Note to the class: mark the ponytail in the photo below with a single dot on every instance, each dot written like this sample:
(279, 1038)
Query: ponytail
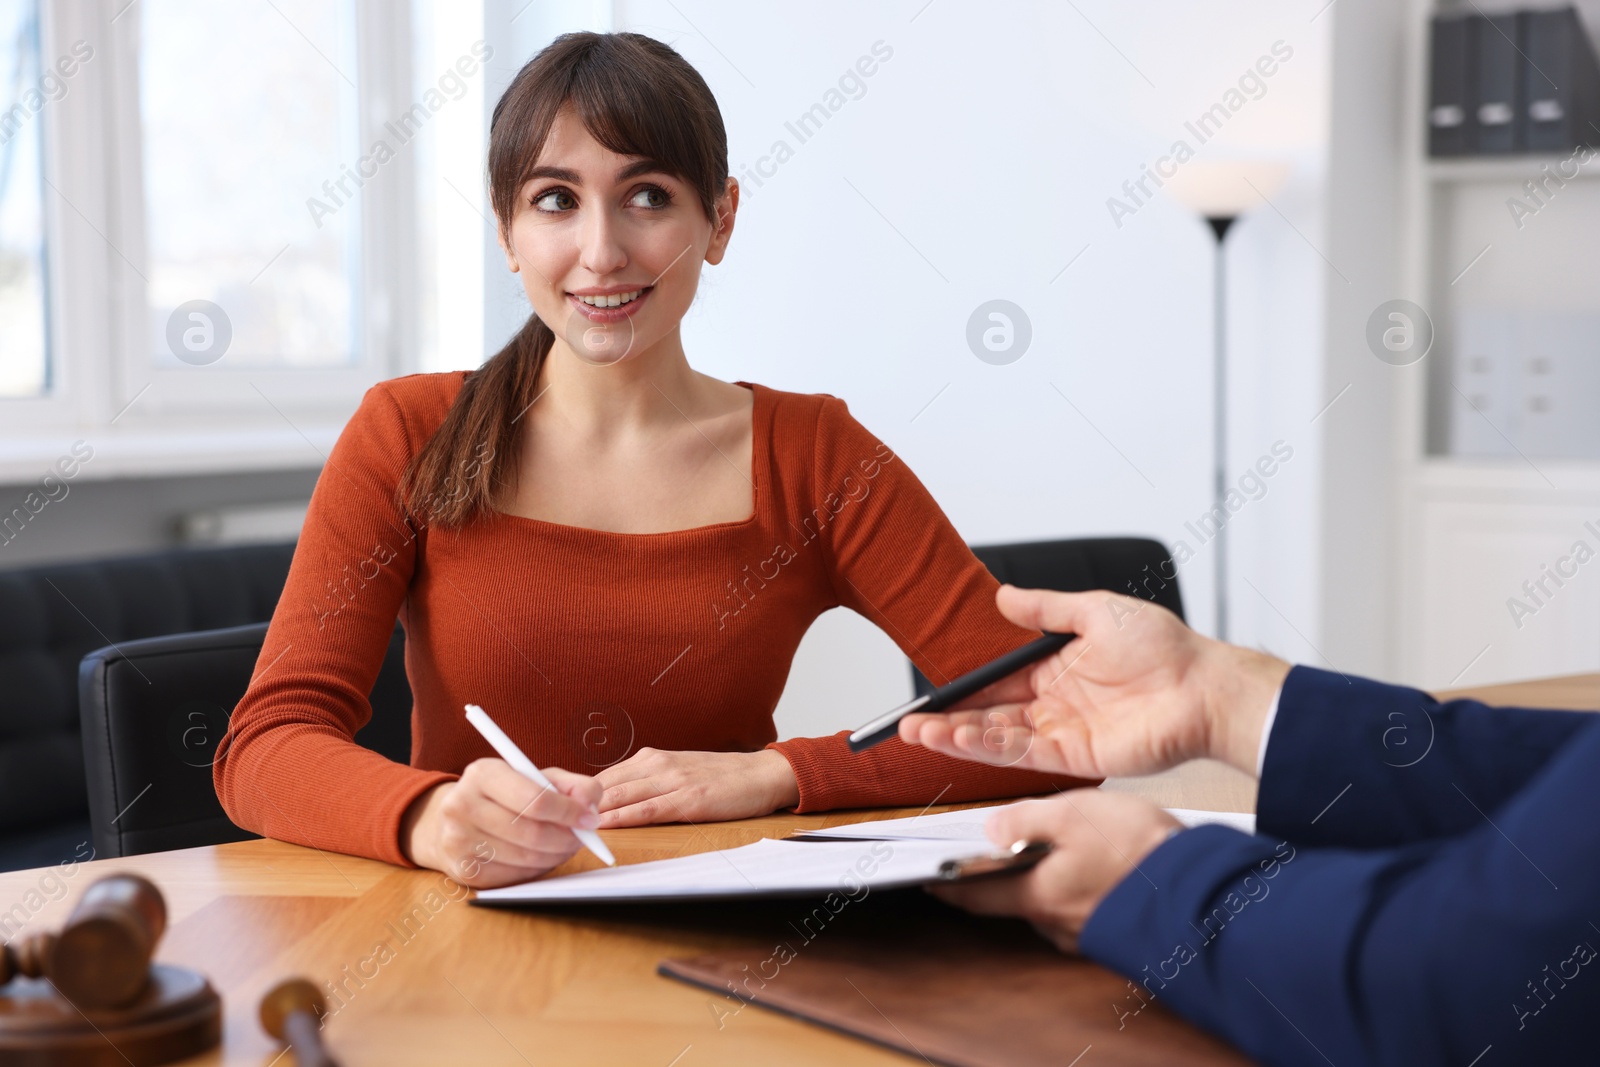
(472, 460)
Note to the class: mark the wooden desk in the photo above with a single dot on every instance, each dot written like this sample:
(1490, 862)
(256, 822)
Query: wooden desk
(482, 986)
(459, 984)
(1572, 692)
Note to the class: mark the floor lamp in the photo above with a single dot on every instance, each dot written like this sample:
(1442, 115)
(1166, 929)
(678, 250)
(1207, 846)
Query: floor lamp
(1219, 192)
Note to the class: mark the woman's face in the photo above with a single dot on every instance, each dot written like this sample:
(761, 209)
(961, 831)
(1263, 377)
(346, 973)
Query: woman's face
(609, 247)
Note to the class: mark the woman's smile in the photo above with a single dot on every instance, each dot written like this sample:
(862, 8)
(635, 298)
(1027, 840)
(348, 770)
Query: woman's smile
(609, 305)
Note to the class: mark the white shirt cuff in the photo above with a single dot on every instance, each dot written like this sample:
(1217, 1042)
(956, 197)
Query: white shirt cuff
(1266, 733)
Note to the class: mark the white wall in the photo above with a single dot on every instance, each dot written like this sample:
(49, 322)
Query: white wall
(101, 518)
(1358, 493)
(991, 141)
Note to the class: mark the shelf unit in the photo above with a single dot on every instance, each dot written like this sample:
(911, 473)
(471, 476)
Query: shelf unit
(1471, 531)
(1513, 170)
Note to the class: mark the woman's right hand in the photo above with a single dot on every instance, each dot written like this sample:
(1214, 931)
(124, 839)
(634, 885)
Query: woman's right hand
(494, 827)
(1136, 693)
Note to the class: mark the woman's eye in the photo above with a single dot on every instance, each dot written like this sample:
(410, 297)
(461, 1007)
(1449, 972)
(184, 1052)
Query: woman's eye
(554, 200)
(661, 197)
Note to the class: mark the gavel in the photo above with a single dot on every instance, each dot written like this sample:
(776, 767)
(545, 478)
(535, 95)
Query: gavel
(90, 992)
(292, 1012)
(101, 957)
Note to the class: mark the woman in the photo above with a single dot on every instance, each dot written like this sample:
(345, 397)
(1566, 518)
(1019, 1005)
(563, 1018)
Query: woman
(614, 554)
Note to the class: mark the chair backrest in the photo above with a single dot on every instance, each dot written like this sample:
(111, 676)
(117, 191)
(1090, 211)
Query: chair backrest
(154, 712)
(1137, 566)
(51, 615)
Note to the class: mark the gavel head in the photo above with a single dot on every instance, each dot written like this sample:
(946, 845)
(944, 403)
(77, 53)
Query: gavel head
(285, 999)
(101, 957)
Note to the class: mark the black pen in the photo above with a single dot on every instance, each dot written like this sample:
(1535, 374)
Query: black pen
(886, 726)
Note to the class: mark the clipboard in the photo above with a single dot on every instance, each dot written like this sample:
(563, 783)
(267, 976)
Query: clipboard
(803, 868)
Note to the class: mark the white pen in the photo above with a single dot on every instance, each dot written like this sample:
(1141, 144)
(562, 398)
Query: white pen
(524, 766)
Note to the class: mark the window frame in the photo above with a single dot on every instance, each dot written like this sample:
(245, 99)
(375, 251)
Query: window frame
(62, 231)
(105, 387)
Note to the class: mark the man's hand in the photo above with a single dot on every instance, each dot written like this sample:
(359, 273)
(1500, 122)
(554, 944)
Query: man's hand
(1100, 838)
(1135, 693)
(654, 786)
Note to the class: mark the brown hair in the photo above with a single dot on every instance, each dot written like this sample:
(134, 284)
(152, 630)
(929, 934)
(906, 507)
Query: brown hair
(634, 95)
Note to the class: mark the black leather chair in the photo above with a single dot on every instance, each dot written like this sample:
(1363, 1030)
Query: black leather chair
(154, 712)
(1137, 566)
(50, 616)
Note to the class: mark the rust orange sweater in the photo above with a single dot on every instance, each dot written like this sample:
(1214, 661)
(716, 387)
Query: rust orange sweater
(586, 645)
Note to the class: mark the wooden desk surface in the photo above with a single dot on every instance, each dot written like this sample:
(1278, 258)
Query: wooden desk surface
(455, 984)
(460, 984)
(1572, 692)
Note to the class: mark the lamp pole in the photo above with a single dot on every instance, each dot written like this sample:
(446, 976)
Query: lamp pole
(1220, 191)
(1219, 420)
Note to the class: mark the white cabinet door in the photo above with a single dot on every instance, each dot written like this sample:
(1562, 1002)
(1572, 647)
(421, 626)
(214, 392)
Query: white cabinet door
(1508, 591)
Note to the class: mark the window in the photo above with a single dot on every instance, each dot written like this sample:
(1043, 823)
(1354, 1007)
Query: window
(231, 219)
(249, 130)
(268, 267)
(24, 93)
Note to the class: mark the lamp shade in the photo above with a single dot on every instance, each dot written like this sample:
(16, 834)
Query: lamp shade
(1226, 188)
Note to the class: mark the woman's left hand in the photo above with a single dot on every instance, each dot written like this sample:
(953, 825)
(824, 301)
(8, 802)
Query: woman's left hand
(655, 786)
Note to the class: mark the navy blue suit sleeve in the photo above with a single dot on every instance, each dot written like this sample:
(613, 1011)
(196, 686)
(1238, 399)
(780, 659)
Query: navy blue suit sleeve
(1362, 764)
(1441, 951)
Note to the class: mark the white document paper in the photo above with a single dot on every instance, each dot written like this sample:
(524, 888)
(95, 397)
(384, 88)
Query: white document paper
(767, 868)
(967, 824)
(849, 860)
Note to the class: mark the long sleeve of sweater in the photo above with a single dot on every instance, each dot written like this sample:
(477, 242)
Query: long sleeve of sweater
(291, 768)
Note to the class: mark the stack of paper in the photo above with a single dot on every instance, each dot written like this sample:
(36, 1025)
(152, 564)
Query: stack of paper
(967, 825)
(847, 860)
(767, 868)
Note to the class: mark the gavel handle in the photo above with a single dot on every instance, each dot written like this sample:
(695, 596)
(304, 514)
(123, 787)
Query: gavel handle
(306, 1040)
(25, 956)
